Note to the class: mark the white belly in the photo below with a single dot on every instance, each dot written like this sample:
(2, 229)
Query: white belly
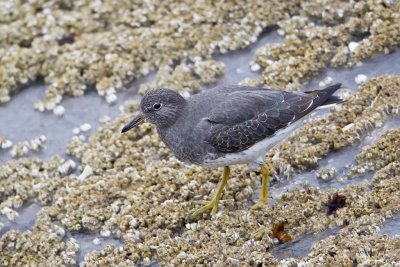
(255, 154)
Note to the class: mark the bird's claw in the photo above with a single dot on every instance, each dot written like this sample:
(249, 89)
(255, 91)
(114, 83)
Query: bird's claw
(212, 205)
(260, 204)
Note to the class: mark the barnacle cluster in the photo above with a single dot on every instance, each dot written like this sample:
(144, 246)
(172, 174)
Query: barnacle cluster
(186, 78)
(340, 34)
(364, 244)
(379, 154)
(25, 179)
(5, 143)
(44, 245)
(78, 44)
(326, 174)
(20, 149)
(120, 42)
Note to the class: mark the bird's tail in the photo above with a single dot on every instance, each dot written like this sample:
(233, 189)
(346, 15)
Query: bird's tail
(327, 94)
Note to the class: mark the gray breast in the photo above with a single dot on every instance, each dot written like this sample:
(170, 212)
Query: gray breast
(187, 140)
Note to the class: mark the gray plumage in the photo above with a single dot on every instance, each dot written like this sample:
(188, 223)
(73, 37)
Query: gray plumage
(226, 122)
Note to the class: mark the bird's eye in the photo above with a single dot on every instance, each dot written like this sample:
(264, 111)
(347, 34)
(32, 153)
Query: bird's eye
(156, 106)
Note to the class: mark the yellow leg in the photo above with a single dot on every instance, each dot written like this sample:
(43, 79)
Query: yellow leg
(213, 204)
(264, 188)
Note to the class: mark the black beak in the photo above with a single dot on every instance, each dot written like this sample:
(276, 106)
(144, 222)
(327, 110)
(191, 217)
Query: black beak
(136, 121)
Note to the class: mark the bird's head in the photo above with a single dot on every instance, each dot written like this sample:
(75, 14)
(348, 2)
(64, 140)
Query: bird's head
(161, 107)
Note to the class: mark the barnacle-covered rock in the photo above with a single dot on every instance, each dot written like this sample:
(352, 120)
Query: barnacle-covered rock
(379, 155)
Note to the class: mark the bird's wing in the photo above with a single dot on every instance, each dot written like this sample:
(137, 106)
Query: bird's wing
(247, 116)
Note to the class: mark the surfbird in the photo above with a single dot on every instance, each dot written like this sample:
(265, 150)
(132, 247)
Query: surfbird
(228, 125)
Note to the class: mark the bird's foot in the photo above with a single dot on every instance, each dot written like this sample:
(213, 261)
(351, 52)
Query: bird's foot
(212, 205)
(262, 203)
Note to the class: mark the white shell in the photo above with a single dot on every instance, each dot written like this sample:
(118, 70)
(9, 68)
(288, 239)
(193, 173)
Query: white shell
(86, 173)
(361, 78)
(59, 110)
(353, 46)
(85, 127)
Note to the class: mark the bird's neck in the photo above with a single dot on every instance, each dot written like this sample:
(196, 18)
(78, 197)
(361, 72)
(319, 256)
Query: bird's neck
(176, 130)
